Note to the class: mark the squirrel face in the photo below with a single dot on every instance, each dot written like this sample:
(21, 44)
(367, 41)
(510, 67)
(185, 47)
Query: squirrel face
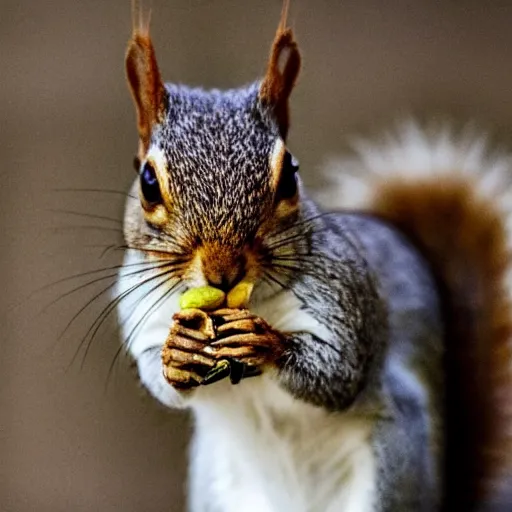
(215, 177)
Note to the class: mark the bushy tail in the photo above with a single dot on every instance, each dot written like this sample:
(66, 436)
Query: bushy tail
(453, 199)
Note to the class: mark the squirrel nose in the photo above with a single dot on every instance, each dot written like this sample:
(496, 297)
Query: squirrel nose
(224, 284)
(224, 274)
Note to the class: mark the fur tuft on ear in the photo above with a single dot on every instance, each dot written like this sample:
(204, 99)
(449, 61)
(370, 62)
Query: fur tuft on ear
(143, 77)
(282, 71)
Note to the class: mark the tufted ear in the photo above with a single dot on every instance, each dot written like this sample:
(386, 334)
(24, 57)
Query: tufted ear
(282, 71)
(144, 77)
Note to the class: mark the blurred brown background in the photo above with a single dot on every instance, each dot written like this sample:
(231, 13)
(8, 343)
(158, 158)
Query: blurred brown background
(80, 437)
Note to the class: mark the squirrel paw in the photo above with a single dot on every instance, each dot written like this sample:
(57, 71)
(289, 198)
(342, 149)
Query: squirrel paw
(244, 337)
(185, 358)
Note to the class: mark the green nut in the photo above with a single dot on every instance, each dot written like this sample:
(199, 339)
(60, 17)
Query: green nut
(239, 296)
(204, 297)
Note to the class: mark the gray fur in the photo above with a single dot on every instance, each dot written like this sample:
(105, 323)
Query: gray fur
(375, 291)
(217, 145)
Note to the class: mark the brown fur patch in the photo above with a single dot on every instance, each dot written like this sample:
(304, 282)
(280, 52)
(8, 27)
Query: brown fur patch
(222, 265)
(464, 237)
(280, 77)
(143, 77)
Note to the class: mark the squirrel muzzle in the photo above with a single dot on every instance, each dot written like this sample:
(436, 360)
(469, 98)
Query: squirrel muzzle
(222, 266)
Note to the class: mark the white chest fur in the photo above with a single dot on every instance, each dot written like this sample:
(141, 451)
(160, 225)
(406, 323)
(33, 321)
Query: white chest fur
(256, 448)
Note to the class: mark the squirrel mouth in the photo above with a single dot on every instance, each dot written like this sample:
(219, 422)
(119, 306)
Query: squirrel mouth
(222, 267)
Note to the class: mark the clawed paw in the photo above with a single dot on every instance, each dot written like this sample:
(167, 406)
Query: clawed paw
(244, 336)
(184, 356)
(204, 348)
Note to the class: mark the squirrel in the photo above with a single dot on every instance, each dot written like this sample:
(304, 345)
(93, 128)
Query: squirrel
(380, 328)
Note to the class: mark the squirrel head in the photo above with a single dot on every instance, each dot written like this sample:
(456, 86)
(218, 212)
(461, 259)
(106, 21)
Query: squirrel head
(216, 180)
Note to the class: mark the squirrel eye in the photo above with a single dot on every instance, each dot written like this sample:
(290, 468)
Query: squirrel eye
(149, 184)
(287, 188)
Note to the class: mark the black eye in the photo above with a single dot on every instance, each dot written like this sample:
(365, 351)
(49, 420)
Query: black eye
(287, 188)
(149, 184)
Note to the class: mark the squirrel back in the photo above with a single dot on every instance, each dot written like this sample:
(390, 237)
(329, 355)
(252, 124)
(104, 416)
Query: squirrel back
(452, 199)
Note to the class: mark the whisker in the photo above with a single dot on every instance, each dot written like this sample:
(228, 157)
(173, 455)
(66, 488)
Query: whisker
(170, 244)
(119, 351)
(112, 306)
(89, 302)
(102, 246)
(309, 258)
(78, 288)
(285, 235)
(112, 247)
(154, 307)
(77, 314)
(274, 280)
(297, 236)
(288, 274)
(300, 234)
(106, 311)
(149, 264)
(97, 280)
(287, 238)
(287, 241)
(125, 346)
(292, 256)
(284, 286)
(100, 190)
(302, 222)
(63, 280)
(127, 342)
(83, 214)
(267, 280)
(301, 262)
(87, 227)
(287, 267)
(179, 242)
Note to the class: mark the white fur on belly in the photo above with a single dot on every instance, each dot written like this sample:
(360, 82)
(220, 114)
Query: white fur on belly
(256, 448)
